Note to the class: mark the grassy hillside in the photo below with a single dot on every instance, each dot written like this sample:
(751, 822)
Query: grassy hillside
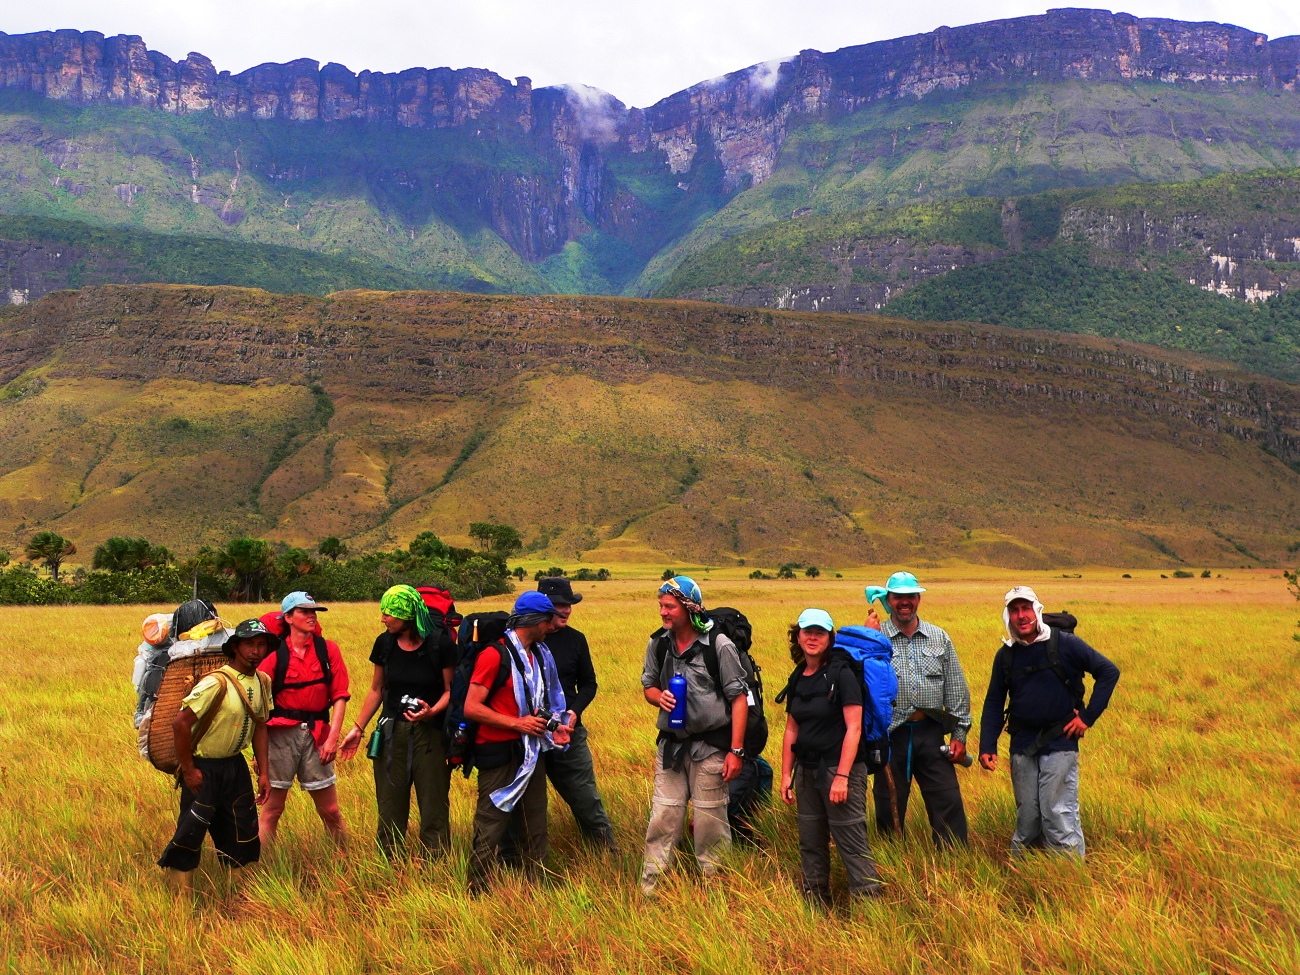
(1168, 264)
(1060, 289)
(1014, 140)
(1191, 864)
(77, 254)
(621, 431)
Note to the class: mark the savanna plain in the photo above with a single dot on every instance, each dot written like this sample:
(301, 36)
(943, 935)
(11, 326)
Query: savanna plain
(1189, 790)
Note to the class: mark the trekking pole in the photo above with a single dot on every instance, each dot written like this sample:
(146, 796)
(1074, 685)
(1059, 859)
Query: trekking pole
(893, 802)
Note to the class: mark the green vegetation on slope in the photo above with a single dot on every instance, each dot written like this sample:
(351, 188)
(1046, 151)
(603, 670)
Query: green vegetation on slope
(1001, 140)
(121, 254)
(1060, 290)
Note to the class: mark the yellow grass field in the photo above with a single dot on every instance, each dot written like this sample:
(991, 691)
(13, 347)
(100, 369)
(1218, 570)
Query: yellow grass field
(1190, 786)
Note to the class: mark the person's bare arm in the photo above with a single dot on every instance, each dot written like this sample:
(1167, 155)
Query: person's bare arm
(787, 759)
(260, 739)
(182, 727)
(848, 752)
(369, 705)
(739, 719)
(331, 747)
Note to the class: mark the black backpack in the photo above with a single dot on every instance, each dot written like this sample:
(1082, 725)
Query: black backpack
(732, 624)
(279, 684)
(477, 630)
(844, 667)
(1056, 622)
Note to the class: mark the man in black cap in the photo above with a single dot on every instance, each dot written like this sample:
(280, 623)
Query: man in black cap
(571, 771)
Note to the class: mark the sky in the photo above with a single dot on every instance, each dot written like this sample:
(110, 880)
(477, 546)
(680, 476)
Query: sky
(638, 51)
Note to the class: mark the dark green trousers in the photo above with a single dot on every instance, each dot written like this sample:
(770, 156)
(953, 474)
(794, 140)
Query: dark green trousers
(414, 755)
(491, 825)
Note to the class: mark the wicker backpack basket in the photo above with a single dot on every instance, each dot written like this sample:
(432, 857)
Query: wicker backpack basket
(178, 680)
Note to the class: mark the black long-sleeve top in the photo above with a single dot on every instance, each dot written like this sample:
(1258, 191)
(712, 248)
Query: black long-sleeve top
(573, 664)
(1040, 700)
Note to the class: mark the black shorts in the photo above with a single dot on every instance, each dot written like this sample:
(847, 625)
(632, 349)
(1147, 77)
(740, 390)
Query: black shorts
(224, 808)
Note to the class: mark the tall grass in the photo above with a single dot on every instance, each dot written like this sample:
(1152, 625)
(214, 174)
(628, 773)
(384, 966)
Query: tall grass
(1188, 789)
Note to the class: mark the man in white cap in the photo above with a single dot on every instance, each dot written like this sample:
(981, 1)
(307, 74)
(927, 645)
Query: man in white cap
(933, 701)
(1041, 668)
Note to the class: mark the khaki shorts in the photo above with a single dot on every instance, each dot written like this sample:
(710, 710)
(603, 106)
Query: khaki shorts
(291, 752)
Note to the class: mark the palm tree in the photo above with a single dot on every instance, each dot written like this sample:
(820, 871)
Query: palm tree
(248, 562)
(50, 549)
(332, 548)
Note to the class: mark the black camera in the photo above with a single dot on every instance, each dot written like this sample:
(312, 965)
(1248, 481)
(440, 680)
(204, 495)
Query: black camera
(552, 720)
(410, 703)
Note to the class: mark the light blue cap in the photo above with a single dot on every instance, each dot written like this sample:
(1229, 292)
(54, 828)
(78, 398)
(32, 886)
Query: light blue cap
(299, 600)
(816, 617)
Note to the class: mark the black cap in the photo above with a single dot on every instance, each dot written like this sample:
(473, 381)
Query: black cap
(246, 631)
(559, 589)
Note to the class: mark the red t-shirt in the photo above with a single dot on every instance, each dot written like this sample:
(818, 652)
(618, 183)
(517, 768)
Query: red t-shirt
(502, 702)
(316, 697)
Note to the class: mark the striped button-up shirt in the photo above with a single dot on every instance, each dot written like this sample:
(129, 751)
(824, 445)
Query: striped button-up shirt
(930, 677)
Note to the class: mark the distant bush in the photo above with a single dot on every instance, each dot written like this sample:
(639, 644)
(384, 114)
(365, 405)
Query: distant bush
(554, 570)
(667, 574)
(758, 574)
(786, 571)
(1205, 574)
(812, 572)
(1183, 574)
(21, 586)
(588, 575)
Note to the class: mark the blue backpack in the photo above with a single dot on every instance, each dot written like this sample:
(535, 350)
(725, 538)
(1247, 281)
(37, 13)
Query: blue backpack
(867, 654)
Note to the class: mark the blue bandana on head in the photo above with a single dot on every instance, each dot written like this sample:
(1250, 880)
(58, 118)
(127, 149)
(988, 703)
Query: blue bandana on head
(686, 592)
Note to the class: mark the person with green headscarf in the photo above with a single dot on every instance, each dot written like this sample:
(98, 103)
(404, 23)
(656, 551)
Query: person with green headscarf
(414, 661)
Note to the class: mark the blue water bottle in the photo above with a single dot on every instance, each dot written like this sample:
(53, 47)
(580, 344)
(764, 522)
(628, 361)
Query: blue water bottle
(677, 716)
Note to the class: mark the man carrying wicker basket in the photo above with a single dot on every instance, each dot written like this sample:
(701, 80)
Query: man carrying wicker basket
(222, 713)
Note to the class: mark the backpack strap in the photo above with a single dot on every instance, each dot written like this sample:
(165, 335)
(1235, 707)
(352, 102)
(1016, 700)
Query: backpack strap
(278, 682)
(504, 671)
(713, 666)
(1073, 682)
(243, 698)
(205, 722)
(786, 691)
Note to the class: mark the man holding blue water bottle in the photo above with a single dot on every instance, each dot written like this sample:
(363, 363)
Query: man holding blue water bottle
(701, 725)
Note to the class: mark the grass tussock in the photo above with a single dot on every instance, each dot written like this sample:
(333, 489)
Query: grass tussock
(1187, 797)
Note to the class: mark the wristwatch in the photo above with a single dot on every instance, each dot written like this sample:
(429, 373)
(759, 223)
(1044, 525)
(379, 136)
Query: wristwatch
(738, 752)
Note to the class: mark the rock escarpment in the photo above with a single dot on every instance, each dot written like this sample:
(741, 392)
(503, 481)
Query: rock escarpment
(431, 344)
(740, 120)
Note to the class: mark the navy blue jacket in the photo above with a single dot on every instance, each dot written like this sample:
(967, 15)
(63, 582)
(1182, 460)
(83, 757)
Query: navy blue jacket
(1040, 700)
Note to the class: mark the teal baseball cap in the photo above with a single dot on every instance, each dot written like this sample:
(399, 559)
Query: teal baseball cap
(816, 617)
(904, 583)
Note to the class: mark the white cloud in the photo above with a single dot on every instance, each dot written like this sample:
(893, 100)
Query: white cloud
(639, 50)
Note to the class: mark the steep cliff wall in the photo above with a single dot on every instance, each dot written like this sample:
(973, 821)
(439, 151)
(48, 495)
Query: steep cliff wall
(741, 118)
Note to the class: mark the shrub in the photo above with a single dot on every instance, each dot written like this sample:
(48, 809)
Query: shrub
(812, 572)
(1183, 574)
(668, 574)
(757, 574)
(786, 571)
(554, 570)
(1205, 574)
(20, 586)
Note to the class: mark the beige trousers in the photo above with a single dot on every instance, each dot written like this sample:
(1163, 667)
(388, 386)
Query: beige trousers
(700, 783)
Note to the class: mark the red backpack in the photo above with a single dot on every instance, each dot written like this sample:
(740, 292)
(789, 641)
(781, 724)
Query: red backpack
(442, 607)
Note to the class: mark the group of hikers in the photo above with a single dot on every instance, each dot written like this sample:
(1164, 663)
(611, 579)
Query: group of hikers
(505, 695)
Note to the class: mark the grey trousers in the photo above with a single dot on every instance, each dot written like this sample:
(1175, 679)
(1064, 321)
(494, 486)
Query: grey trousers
(1047, 803)
(820, 820)
(700, 783)
(491, 825)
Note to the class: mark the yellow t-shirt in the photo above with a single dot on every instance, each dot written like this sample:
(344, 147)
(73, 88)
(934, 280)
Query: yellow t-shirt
(231, 728)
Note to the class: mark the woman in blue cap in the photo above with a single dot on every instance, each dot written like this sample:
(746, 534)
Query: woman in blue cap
(823, 769)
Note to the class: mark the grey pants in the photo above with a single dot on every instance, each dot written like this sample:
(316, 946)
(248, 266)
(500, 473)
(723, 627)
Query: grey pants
(820, 820)
(1047, 803)
(491, 824)
(414, 756)
(700, 783)
(914, 749)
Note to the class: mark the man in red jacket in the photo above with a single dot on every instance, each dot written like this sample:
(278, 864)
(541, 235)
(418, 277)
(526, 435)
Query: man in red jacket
(309, 686)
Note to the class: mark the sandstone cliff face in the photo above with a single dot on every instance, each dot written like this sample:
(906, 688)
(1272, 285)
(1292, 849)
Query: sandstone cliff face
(742, 118)
(431, 344)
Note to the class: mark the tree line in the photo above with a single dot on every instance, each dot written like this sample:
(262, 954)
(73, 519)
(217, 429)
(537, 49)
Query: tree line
(126, 570)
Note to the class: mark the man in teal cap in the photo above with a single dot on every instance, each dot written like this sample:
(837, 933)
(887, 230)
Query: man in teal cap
(933, 700)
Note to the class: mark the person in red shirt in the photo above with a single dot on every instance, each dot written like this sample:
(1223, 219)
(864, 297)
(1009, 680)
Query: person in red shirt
(309, 684)
(514, 693)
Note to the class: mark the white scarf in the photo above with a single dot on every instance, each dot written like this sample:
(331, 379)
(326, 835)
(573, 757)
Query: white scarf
(1024, 592)
(538, 672)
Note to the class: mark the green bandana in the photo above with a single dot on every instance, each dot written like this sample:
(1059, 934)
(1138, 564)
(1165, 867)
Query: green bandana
(404, 603)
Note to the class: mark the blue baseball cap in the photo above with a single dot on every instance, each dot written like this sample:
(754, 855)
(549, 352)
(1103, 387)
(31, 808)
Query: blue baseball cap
(816, 617)
(533, 602)
(300, 600)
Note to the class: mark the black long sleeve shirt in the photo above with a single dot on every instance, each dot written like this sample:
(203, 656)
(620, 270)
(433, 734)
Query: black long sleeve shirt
(573, 664)
(1040, 700)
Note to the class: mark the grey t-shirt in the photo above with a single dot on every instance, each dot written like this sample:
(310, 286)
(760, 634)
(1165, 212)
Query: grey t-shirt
(705, 711)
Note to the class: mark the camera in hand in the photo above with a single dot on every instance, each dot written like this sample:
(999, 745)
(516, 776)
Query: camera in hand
(553, 721)
(410, 703)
